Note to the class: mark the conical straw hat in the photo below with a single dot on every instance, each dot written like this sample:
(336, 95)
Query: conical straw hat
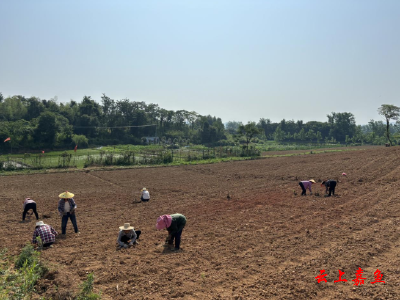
(66, 195)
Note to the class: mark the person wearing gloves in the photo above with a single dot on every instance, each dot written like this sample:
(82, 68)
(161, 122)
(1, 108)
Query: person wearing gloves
(306, 185)
(128, 236)
(145, 196)
(29, 204)
(174, 225)
(46, 233)
(329, 185)
(66, 208)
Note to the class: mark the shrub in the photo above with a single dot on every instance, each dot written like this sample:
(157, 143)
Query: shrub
(86, 292)
(27, 255)
(19, 283)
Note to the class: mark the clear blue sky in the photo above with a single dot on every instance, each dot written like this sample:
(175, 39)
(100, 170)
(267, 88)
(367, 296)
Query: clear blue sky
(238, 60)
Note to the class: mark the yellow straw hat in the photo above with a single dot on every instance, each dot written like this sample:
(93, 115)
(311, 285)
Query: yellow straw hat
(143, 189)
(312, 180)
(66, 195)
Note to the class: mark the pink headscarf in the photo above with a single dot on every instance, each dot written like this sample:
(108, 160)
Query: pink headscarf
(163, 221)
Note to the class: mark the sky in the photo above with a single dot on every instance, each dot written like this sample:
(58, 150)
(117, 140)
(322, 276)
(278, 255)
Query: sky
(237, 60)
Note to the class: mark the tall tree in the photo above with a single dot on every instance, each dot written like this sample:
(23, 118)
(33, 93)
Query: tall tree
(342, 124)
(390, 112)
(45, 132)
(248, 131)
(279, 134)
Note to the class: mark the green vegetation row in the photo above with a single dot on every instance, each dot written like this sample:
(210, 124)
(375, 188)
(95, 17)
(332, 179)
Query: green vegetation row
(120, 157)
(19, 276)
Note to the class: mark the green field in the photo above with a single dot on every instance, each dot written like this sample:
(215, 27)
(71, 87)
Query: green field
(133, 155)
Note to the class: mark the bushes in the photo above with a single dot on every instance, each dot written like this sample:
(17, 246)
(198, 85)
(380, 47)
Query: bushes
(19, 283)
(86, 292)
(64, 160)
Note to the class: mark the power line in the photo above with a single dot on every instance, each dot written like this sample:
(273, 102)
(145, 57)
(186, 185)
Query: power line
(128, 126)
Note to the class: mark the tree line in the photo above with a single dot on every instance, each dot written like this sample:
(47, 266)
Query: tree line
(34, 123)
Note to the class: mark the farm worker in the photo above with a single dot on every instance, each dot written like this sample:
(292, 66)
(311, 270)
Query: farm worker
(174, 225)
(128, 235)
(29, 204)
(46, 233)
(329, 184)
(145, 196)
(66, 208)
(306, 185)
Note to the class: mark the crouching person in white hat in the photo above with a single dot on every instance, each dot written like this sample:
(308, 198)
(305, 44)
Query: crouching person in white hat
(46, 233)
(145, 196)
(127, 236)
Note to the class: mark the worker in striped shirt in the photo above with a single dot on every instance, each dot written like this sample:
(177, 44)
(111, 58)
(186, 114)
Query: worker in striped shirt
(46, 233)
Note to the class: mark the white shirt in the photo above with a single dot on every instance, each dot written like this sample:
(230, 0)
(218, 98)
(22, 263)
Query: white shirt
(146, 195)
(67, 207)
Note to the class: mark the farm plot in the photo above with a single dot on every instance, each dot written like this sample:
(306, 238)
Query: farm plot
(264, 242)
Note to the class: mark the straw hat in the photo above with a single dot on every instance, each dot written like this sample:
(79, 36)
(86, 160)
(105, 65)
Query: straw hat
(66, 195)
(40, 223)
(126, 226)
(143, 189)
(312, 180)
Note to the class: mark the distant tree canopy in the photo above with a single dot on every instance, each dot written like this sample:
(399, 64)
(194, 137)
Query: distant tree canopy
(34, 123)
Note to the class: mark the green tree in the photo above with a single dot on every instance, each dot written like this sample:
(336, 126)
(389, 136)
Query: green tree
(13, 108)
(279, 134)
(342, 124)
(46, 131)
(80, 140)
(310, 135)
(34, 108)
(319, 136)
(302, 134)
(248, 131)
(232, 126)
(390, 112)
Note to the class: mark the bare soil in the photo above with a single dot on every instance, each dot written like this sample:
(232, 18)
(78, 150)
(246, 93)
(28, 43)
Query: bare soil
(265, 242)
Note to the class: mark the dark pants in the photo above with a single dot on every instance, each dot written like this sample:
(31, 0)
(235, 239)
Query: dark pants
(28, 207)
(126, 240)
(47, 244)
(144, 200)
(302, 188)
(332, 186)
(64, 222)
(177, 237)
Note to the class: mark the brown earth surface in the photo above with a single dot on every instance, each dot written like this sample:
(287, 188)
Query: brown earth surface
(265, 242)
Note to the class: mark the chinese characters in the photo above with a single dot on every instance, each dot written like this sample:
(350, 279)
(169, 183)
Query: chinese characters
(359, 280)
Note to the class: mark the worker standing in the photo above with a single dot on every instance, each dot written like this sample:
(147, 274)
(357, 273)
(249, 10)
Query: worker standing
(66, 208)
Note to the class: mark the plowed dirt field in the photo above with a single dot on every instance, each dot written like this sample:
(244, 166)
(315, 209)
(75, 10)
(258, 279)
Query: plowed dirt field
(265, 242)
